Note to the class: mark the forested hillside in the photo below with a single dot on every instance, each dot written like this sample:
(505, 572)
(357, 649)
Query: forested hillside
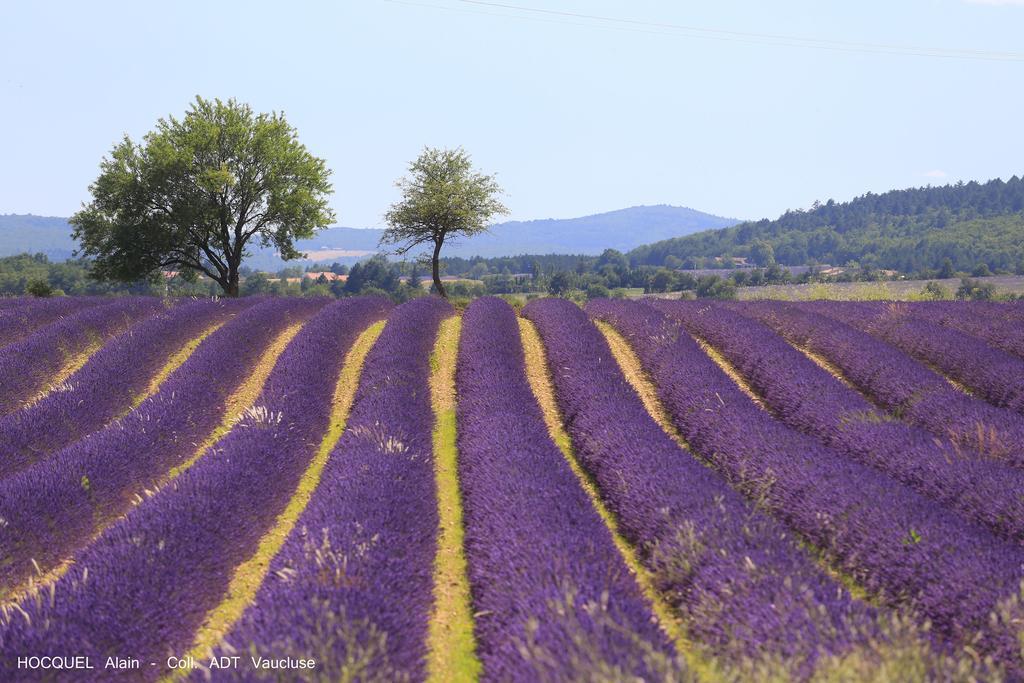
(907, 230)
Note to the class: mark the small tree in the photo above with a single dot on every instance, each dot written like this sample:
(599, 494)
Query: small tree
(441, 197)
(662, 280)
(597, 291)
(714, 287)
(197, 192)
(561, 283)
(762, 253)
(257, 283)
(414, 277)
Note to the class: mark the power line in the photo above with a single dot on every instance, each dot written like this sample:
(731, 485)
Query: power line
(690, 31)
(810, 42)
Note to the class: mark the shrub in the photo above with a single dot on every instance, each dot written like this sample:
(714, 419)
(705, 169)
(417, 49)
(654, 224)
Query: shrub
(972, 290)
(39, 288)
(714, 287)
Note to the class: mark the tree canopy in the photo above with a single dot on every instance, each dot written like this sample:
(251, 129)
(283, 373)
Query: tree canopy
(196, 192)
(442, 196)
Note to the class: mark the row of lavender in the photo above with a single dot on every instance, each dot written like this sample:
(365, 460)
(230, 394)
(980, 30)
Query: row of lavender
(352, 585)
(27, 365)
(749, 597)
(894, 380)
(146, 584)
(1000, 325)
(906, 550)
(808, 398)
(994, 374)
(746, 591)
(20, 317)
(104, 388)
(54, 507)
(554, 599)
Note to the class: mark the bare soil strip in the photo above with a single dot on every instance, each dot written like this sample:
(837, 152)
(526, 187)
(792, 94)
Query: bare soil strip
(630, 366)
(731, 371)
(825, 365)
(72, 364)
(242, 399)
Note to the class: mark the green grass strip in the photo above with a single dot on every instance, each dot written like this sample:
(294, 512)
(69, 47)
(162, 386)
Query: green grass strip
(452, 647)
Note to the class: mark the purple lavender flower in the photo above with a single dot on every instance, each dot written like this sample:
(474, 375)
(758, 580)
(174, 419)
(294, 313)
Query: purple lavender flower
(745, 590)
(145, 586)
(53, 508)
(899, 383)
(353, 582)
(532, 534)
(806, 397)
(995, 375)
(26, 366)
(897, 545)
(20, 317)
(105, 386)
(1000, 325)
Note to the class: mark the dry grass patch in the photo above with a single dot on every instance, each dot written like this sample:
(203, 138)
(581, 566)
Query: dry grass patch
(825, 365)
(243, 397)
(634, 373)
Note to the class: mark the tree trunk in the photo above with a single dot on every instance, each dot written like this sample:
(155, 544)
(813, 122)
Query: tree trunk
(435, 264)
(232, 288)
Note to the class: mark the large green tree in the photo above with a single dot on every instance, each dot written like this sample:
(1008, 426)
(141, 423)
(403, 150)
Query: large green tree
(442, 197)
(196, 193)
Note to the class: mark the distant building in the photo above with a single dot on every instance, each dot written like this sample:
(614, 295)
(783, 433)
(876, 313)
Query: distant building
(328, 275)
(831, 271)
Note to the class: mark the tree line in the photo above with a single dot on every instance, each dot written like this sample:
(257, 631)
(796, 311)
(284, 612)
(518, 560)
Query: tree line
(196, 193)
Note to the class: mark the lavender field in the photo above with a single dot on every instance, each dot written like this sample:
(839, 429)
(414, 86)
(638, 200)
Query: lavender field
(290, 489)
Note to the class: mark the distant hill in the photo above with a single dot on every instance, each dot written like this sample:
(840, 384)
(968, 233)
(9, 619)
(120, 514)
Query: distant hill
(623, 230)
(21, 233)
(906, 230)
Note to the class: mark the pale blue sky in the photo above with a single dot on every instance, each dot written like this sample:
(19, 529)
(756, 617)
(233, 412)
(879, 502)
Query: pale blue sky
(575, 115)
